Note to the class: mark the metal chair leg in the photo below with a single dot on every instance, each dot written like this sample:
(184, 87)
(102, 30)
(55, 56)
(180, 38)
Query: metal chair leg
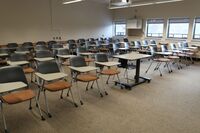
(99, 89)
(73, 98)
(30, 107)
(92, 85)
(39, 109)
(61, 95)
(108, 79)
(3, 117)
(149, 67)
(46, 104)
(101, 78)
(79, 93)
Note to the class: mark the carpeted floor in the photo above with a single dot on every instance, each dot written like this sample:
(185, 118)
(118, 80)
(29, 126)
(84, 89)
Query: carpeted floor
(169, 104)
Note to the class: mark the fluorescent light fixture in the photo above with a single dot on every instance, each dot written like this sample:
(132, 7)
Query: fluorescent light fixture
(169, 1)
(142, 4)
(72, 1)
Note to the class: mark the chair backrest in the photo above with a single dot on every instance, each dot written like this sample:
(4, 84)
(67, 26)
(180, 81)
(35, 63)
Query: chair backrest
(81, 40)
(18, 57)
(152, 42)
(153, 49)
(48, 67)
(40, 47)
(173, 46)
(78, 61)
(137, 44)
(51, 43)
(71, 41)
(100, 57)
(22, 49)
(185, 44)
(57, 46)
(12, 45)
(180, 45)
(126, 40)
(81, 49)
(164, 48)
(12, 74)
(63, 52)
(91, 39)
(4, 51)
(41, 43)
(27, 44)
(72, 46)
(145, 42)
(43, 54)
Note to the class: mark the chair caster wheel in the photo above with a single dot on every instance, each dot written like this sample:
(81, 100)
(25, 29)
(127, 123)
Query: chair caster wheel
(160, 75)
(86, 89)
(101, 94)
(81, 102)
(49, 115)
(36, 105)
(61, 97)
(42, 118)
(30, 108)
(6, 131)
(122, 88)
(149, 81)
(75, 105)
(115, 83)
(106, 93)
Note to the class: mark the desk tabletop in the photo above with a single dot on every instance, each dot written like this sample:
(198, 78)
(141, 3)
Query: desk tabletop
(87, 53)
(83, 69)
(109, 64)
(51, 76)
(3, 54)
(164, 53)
(123, 48)
(22, 52)
(66, 56)
(12, 86)
(132, 56)
(44, 59)
(17, 63)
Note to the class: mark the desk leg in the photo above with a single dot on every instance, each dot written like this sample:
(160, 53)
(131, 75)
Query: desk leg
(138, 78)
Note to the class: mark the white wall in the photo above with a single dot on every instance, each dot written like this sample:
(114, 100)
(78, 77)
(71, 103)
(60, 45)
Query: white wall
(30, 20)
(187, 8)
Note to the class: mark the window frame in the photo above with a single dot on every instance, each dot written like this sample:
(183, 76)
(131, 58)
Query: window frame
(194, 28)
(120, 22)
(147, 27)
(168, 28)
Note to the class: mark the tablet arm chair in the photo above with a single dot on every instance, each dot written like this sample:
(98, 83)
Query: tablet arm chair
(56, 85)
(19, 96)
(83, 77)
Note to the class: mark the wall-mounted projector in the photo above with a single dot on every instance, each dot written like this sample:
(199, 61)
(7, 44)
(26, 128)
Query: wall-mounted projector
(120, 2)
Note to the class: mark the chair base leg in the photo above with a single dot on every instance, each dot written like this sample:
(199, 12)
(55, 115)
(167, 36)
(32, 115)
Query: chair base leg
(81, 102)
(6, 131)
(49, 115)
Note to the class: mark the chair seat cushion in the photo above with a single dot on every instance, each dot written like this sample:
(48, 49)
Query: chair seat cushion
(89, 60)
(110, 72)
(163, 60)
(28, 70)
(173, 57)
(86, 77)
(18, 97)
(66, 63)
(57, 86)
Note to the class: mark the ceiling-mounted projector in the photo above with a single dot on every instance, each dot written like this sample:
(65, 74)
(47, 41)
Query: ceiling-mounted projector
(120, 2)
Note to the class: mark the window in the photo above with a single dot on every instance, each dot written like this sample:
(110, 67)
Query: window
(120, 28)
(196, 34)
(178, 28)
(155, 27)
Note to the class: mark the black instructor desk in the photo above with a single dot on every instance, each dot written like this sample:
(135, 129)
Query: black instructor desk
(138, 79)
